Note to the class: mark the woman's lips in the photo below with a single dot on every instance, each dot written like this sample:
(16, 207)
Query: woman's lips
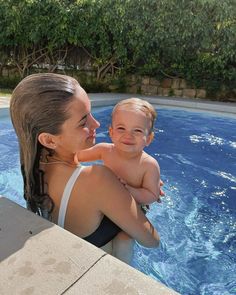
(92, 136)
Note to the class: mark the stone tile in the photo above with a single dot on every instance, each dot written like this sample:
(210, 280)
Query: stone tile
(182, 84)
(111, 276)
(145, 80)
(201, 93)
(175, 83)
(132, 89)
(154, 82)
(38, 257)
(152, 90)
(178, 92)
(166, 83)
(144, 89)
(189, 93)
(166, 91)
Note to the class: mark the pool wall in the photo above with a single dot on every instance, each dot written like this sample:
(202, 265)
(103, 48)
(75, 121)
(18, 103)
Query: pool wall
(38, 257)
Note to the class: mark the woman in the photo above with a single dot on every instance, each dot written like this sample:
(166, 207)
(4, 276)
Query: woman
(52, 118)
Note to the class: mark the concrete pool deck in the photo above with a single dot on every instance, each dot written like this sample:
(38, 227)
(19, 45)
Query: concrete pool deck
(38, 257)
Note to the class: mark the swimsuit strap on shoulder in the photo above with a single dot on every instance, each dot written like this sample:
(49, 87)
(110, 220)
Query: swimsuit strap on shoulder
(66, 195)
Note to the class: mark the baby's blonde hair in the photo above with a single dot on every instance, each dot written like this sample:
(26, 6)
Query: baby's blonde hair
(137, 104)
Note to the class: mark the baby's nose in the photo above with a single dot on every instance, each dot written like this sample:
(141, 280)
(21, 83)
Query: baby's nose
(129, 133)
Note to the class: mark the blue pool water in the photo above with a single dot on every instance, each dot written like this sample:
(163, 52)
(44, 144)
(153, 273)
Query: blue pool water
(197, 217)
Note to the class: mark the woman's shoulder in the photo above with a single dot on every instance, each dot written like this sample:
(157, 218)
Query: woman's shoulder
(97, 172)
(94, 181)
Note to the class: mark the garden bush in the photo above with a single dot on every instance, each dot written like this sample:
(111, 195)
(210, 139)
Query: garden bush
(191, 39)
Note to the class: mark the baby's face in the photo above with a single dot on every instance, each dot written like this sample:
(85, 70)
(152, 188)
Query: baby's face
(130, 130)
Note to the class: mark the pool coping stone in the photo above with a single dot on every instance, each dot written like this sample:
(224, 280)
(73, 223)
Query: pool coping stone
(38, 257)
(109, 99)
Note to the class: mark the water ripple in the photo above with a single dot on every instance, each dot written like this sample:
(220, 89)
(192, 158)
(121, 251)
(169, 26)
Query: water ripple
(211, 139)
(228, 176)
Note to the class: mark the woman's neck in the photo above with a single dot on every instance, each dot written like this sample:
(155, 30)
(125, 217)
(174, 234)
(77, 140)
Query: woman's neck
(50, 159)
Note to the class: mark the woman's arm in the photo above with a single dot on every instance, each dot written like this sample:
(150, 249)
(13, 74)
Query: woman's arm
(114, 201)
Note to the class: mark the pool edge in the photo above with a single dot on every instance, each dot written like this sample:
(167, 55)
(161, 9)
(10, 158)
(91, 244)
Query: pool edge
(107, 99)
(32, 247)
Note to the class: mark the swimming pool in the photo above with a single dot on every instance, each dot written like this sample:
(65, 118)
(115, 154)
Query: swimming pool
(197, 217)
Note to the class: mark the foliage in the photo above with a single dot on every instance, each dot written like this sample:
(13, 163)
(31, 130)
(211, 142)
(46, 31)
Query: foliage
(8, 82)
(192, 39)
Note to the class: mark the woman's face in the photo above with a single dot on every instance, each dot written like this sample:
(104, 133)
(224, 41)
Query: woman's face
(79, 131)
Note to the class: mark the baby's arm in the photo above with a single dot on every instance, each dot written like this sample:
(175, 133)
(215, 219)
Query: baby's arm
(150, 190)
(92, 154)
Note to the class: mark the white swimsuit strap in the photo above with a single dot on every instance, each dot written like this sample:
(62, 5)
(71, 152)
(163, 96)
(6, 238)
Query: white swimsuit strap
(66, 195)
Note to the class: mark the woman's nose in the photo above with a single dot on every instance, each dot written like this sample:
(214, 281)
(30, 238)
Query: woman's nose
(94, 124)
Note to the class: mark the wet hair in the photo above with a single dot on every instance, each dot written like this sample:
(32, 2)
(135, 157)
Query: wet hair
(39, 104)
(137, 104)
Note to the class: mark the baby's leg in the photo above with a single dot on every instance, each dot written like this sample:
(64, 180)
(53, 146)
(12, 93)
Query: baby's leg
(122, 247)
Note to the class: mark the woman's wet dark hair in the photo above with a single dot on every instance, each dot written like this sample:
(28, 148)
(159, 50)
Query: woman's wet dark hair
(39, 104)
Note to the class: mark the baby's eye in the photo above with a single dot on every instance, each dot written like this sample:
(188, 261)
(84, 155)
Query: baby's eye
(138, 130)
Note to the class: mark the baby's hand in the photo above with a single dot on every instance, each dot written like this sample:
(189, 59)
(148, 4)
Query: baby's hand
(159, 199)
(161, 193)
(76, 160)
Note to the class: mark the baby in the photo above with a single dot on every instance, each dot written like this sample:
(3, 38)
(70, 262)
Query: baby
(131, 131)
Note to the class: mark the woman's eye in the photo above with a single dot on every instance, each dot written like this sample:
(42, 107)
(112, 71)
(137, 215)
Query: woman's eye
(120, 128)
(82, 124)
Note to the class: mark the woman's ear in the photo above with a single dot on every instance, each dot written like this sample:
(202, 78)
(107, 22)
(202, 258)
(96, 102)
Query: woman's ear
(47, 140)
(150, 138)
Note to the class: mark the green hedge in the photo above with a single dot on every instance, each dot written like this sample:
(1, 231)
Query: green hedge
(192, 39)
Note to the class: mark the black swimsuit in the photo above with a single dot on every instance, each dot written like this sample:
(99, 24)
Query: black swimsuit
(106, 231)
